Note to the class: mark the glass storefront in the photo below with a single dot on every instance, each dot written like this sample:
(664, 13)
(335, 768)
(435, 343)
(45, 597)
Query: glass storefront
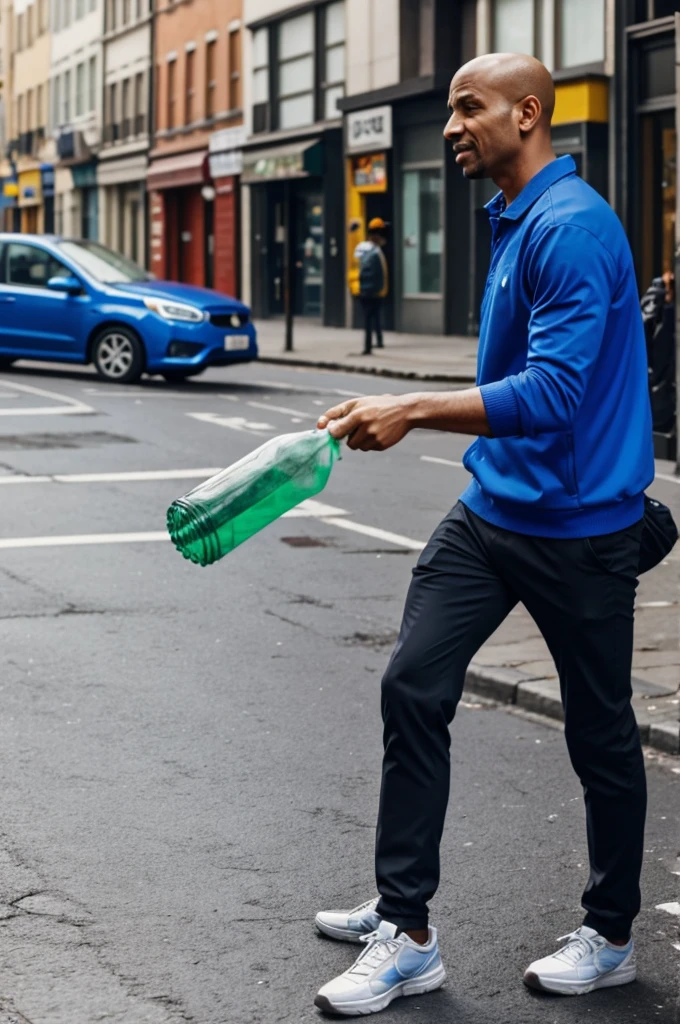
(658, 173)
(309, 262)
(422, 229)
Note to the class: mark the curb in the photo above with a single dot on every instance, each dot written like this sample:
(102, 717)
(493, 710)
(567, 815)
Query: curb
(541, 696)
(371, 371)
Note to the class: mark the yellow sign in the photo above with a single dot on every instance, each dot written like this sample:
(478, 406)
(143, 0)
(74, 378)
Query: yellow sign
(10, 190)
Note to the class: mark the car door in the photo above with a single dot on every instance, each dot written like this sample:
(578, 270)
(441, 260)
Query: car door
(34, 320)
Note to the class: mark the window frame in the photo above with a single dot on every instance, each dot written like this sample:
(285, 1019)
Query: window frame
(171, 99)
(189, 86)
(80, 89)
(210, 108)
(271, 120)
(234, 49)
(418, 168)
(566, 69)
(537, 49)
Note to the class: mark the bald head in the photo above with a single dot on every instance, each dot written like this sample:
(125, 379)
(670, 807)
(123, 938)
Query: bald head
(501, 108)
(514, 76)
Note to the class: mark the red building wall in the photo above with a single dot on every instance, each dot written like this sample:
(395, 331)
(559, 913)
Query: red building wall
(226, 236)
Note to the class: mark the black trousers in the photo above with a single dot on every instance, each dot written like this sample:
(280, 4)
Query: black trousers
(581, 595)
(372, 307)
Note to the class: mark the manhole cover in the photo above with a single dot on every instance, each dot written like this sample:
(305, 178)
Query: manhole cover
(94, 439)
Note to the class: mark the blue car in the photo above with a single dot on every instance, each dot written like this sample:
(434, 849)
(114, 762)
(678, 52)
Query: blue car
(76, 301)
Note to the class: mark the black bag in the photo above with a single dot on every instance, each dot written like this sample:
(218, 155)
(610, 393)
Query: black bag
(659, 534)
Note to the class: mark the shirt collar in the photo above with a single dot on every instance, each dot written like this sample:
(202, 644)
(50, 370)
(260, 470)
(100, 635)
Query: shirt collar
(533, 190)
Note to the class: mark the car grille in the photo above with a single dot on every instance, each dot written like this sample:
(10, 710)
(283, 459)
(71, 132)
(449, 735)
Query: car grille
(224, 319)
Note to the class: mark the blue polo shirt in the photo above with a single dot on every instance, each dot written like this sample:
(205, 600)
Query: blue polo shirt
(562, 367)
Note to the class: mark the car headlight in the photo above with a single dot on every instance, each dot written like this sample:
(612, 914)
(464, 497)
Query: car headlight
(175, 311)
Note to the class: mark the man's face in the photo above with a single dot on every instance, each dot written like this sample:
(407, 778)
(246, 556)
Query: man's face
(483, 127)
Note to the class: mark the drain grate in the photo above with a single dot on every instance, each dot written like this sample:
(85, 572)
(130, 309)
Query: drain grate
(94, 439)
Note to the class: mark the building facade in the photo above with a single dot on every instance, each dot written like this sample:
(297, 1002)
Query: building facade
(29, 151)
(76, 100)
(197, 75)
(123, 155)
(293, 208)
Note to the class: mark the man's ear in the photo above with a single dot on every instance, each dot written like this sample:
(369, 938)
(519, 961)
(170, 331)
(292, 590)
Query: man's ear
(530, 111)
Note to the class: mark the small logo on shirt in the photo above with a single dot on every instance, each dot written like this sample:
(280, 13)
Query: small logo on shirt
(505, 280)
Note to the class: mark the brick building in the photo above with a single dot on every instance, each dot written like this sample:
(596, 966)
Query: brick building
(194, 216)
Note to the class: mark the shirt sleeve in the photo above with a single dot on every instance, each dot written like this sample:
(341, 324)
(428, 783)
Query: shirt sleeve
(571, 277)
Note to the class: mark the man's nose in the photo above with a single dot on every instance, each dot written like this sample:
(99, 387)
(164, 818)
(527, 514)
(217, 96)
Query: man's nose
(453, 129)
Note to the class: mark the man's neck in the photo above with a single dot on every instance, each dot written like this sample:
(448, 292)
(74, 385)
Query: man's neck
(512, 180)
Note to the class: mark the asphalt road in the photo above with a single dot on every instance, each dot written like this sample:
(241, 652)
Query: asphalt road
(191, 756)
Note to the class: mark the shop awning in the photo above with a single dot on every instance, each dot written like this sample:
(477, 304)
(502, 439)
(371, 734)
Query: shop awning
(295, 160)
(177, 171)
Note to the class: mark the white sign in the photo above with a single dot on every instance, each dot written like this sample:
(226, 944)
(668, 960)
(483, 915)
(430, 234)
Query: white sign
(225, 165)
(369, 130)
(227, 139)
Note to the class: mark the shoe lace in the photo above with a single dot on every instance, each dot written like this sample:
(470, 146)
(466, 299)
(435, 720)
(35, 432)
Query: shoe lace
(577, 946)
(378, 949)
(368, 904)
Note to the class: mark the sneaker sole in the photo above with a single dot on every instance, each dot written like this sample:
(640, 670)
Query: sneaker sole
(339, 934)
(417, 987)
(621, 976)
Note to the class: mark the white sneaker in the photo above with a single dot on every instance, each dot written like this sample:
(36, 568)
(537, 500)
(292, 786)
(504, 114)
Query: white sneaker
(349, 925)
(391, 966)
(586, 962)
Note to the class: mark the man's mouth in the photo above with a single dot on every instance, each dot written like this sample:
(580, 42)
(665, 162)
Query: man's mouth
(462, 151)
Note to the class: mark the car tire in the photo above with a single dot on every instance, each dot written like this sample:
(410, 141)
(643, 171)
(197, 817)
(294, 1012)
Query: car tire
(118, 355)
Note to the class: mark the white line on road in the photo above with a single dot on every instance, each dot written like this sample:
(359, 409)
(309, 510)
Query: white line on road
(308, 390)
(441, 462)
(69, 406)
(667, 478)
(373, 531)
(106, 478)
(283, 409)
(670, 908)
(232, 422)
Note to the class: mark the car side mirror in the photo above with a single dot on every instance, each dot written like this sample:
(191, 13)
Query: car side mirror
(70, 285)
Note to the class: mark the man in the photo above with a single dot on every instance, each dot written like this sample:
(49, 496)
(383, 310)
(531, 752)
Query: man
(552, 518)
(373, 282)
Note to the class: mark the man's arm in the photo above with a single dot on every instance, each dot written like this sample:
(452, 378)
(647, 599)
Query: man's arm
(377, 423)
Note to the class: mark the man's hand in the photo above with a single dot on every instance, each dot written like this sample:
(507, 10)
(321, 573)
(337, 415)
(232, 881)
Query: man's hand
(370, 424)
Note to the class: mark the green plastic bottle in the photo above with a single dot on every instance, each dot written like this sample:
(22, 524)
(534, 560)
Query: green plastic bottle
(218, 515)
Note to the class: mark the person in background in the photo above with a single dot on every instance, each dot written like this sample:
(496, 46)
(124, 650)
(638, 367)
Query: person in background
(373, 281)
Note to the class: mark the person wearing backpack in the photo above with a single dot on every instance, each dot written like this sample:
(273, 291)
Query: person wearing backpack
(373, 282)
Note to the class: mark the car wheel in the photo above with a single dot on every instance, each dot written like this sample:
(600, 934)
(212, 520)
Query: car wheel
(118, 355)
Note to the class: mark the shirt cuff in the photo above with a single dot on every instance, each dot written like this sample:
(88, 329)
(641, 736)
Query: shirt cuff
(502, 409)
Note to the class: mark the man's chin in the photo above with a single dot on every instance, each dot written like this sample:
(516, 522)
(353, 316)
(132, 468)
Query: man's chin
(478, 171)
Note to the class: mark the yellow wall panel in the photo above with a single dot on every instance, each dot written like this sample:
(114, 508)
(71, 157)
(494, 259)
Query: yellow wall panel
(581, 101)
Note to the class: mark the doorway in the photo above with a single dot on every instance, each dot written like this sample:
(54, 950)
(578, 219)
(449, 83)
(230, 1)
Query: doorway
(658, 178)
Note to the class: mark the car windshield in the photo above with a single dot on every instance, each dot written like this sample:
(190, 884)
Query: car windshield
(103, 264)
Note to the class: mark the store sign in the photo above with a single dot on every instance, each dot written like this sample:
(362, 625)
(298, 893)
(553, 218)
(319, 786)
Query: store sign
(226, 152)
(369, 129)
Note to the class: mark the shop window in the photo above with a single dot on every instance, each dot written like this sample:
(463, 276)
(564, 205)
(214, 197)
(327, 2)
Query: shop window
(295, 54)
(514, 26)
(334, 58)
(580, 32)
(422, 221)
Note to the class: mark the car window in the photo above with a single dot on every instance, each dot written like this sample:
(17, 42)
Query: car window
(31, 266)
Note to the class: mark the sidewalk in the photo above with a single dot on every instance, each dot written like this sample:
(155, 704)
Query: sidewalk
(409, 356)
(515, 666)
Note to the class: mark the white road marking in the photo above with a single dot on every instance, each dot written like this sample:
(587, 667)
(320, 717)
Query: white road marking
(308, 390)
(309, 509)
(68, 407)
(283, 409)
(670, 908)
(656, 604)
(232, 422)
(441, 462)
(106, 478)
(669, 479)
(373, 531)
